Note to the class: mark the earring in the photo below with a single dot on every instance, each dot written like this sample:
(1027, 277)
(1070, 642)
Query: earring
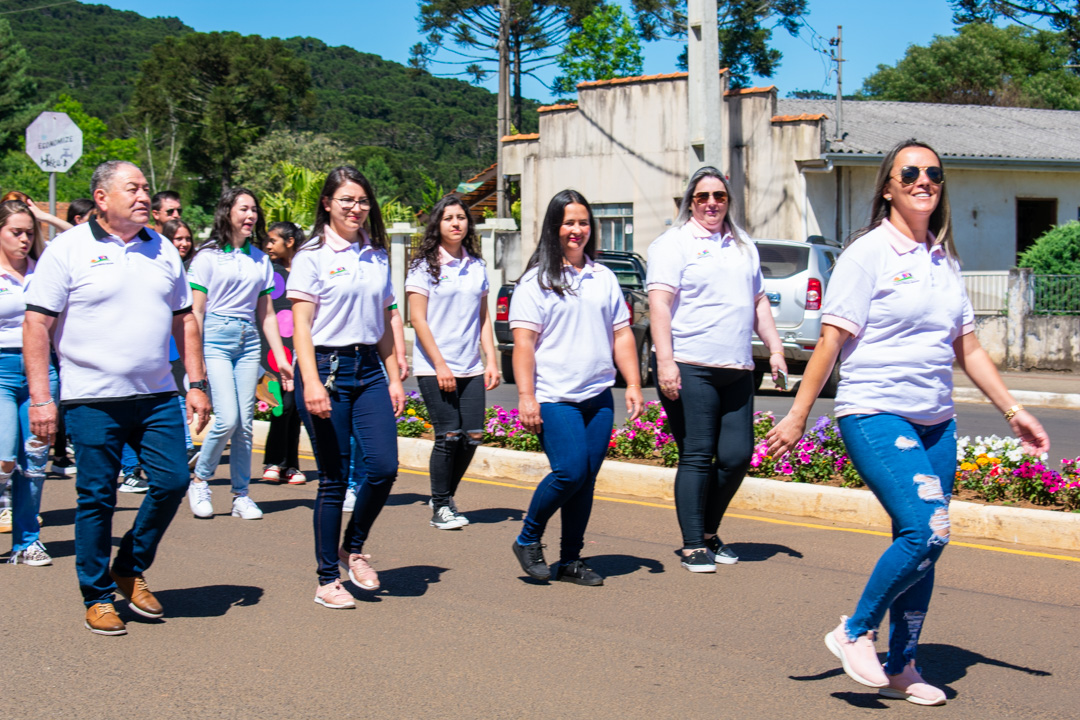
(889, 198)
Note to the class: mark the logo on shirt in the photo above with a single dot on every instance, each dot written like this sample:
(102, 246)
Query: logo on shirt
(5, 291)
(338, 271)
(100, 260)
(903, 279)
(704, 254)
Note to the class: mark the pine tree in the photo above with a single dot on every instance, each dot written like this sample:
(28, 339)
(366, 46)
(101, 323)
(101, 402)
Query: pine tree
(17, 89)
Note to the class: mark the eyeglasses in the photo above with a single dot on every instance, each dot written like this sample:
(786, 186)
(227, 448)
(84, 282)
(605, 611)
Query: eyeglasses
(347, 203)
(909, 174)
(703, 197)
(173, 211)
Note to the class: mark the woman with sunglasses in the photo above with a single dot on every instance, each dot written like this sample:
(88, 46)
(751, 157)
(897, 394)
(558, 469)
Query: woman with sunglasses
(898, 316)
(570, 321)
(342, 292)
(706, 299)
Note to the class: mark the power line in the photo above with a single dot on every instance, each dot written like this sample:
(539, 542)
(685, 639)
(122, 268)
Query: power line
(40, 7)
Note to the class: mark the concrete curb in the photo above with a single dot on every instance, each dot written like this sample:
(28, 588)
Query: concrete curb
(1067, 401)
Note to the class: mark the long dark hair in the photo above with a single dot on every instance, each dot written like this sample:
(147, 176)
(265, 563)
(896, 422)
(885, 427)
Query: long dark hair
(548, 256)
(429, 245)
(169, 230)
(16, 207)
(940, 219)
(221, 231)
(374, 226)
(290, 231)
(79, 208)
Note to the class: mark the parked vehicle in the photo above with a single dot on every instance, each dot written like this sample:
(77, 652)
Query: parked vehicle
(629, 268)
(796, 280)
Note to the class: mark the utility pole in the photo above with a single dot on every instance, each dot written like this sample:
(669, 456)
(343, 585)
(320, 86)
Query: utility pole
(838, 57)
(706, 103)
(502, 208)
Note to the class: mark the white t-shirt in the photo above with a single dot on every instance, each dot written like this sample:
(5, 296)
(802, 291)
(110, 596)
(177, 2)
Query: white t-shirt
(114, 303)
(576, 332)
(233, 279)
(13, 307)
(716, 281)
(350, 285)
(453, 312)
(904, 306)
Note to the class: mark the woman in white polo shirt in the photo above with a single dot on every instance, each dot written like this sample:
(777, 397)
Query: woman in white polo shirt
(342, 293)
(231, 280)
(706, 301)
(447, 289)
(569, 320)
(20, 246)
(897, 314)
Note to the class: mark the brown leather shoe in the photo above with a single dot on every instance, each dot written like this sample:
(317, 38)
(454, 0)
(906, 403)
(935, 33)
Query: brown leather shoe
(102, 619)
(139, 597)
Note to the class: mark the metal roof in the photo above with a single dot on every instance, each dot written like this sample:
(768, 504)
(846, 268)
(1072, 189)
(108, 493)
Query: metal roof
(974, 131)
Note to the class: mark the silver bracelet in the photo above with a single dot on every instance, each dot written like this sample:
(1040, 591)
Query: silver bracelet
(47, 402)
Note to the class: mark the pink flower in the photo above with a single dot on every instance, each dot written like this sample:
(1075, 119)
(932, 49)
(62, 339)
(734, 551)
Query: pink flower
(262, 406)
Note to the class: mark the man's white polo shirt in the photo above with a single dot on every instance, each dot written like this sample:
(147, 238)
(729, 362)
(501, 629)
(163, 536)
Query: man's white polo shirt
(114, 303)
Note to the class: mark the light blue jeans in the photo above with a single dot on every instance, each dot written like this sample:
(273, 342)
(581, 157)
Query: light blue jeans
(910, 469)
(231, 348)
(29, 475)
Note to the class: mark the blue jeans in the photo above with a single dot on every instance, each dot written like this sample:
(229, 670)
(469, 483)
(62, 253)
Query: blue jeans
(129, 461)
(99, 430)
(231, 348)
(360, 409)
(28, 477)
(910, 468)
(575, 439)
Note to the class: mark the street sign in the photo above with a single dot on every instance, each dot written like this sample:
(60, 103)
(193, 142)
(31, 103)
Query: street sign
(54, 142)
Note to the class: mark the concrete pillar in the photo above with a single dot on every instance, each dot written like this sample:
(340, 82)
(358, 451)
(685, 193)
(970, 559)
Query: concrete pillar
(400, 237)
(704, 92)
(488, 232)
(1018, 309)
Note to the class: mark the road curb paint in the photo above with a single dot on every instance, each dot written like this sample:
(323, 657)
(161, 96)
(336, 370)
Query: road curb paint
(1067, 401)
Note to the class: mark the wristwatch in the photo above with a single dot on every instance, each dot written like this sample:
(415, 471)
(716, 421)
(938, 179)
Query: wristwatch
(199, 385)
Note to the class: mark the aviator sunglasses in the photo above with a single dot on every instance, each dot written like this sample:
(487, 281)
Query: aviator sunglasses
(703, 197)
(910, 173)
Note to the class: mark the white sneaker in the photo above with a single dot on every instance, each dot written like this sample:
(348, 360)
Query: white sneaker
(350, 500)
(198, 496)
(245, 508)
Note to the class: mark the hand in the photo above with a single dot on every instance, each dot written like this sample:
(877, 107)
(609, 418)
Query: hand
(778, 364)
(397, 397)
(198, 406)
(529, 413)
(403, 368)
(785, 434)
(491, 377)
(1032, 436)
(447, 381)
(286, 373)
(635, 403)
(317, 399)
(668, 378)
(43, 421)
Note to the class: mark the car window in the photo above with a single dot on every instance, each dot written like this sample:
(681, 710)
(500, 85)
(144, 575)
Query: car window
(625, 271)
(781, 261)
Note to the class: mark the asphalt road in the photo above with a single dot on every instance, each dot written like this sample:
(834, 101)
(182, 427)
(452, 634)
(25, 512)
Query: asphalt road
(457, 632)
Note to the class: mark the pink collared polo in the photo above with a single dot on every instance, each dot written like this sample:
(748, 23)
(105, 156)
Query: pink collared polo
(904, 305)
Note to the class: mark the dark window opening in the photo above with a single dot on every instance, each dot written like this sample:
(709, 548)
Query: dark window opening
(1033, 219)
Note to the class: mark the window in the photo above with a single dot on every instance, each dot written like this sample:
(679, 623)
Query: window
(1033, 218)
(616, 225)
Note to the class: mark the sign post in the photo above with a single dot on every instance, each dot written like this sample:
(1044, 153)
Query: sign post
(54, 143)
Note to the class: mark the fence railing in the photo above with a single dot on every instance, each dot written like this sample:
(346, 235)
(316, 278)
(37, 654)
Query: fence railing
(1055, 294)
(988, 291)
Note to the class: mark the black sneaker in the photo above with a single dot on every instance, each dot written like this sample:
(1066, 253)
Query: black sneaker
(698, 561)
(578, 573)
(134, 483)
(719, 552)
(532, 562)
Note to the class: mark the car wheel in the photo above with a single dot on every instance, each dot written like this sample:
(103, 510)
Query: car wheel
(829, 389)
(645, 360)
(508, 368)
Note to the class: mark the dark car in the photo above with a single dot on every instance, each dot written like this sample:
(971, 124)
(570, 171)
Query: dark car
(629, 268)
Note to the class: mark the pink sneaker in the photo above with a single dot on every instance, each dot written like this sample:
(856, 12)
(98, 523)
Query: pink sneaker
(334, 596)
(360, 572)
(910, 686)
(295, 477)
(859, 658)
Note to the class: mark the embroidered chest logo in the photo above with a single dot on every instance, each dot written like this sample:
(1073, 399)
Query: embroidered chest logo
(702, 254)
(904, 279)
(100, 260)
(338, 271)
(5, 291)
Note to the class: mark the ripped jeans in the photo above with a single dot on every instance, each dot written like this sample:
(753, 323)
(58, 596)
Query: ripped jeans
(458, 420)
(910, 468)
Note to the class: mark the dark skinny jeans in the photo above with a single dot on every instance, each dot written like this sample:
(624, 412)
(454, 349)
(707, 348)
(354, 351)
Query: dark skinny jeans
(456, 417)
(283, 437)
(713, 424)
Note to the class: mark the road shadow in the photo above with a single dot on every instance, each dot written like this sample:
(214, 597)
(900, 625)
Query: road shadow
(615, 565)
(206, 601)
(866, 700)
(408, 581)
(490, 516)
(759, 552)
(407, 498)
(273, 506)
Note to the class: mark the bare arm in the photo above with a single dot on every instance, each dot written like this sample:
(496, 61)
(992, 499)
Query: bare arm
(36, 329)
(397, 328)
(267, 320)
(418, 314)
(316, 399)
(525, 376)
(198, 309)
(626, 359)
(487, 345)
(387, 347)
(42, 216)
(667, 372)
(188, 338)
(765, 327)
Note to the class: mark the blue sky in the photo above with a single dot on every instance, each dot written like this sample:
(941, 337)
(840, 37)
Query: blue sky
(875, 32)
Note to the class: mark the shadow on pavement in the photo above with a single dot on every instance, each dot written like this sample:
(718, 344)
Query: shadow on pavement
(869, 700)
(66, 516)
(408, 581)
(613, 565)
(486, 516)
(406, 498)
(757, 552)
(273, 506)
(206, 601)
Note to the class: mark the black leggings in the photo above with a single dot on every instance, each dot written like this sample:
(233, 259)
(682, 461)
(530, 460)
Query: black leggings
(713, 425)
(454, 415)
(283, 437)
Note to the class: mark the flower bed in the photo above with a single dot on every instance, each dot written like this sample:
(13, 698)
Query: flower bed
(415, 421)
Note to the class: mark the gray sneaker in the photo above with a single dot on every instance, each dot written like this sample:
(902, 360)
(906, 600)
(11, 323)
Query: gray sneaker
(445, 519)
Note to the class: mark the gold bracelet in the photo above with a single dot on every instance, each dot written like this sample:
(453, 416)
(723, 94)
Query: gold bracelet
(776, 352)
(1011, 412)
(630, 386)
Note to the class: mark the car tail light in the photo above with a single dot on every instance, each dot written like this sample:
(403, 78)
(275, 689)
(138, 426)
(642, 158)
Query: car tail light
(630, 309)
(502, 309)
(813, 294)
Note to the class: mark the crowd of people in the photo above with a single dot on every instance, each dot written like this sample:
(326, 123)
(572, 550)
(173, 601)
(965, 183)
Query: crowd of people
(205, 322)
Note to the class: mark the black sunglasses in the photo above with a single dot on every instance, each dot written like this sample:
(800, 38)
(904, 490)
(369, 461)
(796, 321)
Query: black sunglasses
(910, 173)
(703, 197)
